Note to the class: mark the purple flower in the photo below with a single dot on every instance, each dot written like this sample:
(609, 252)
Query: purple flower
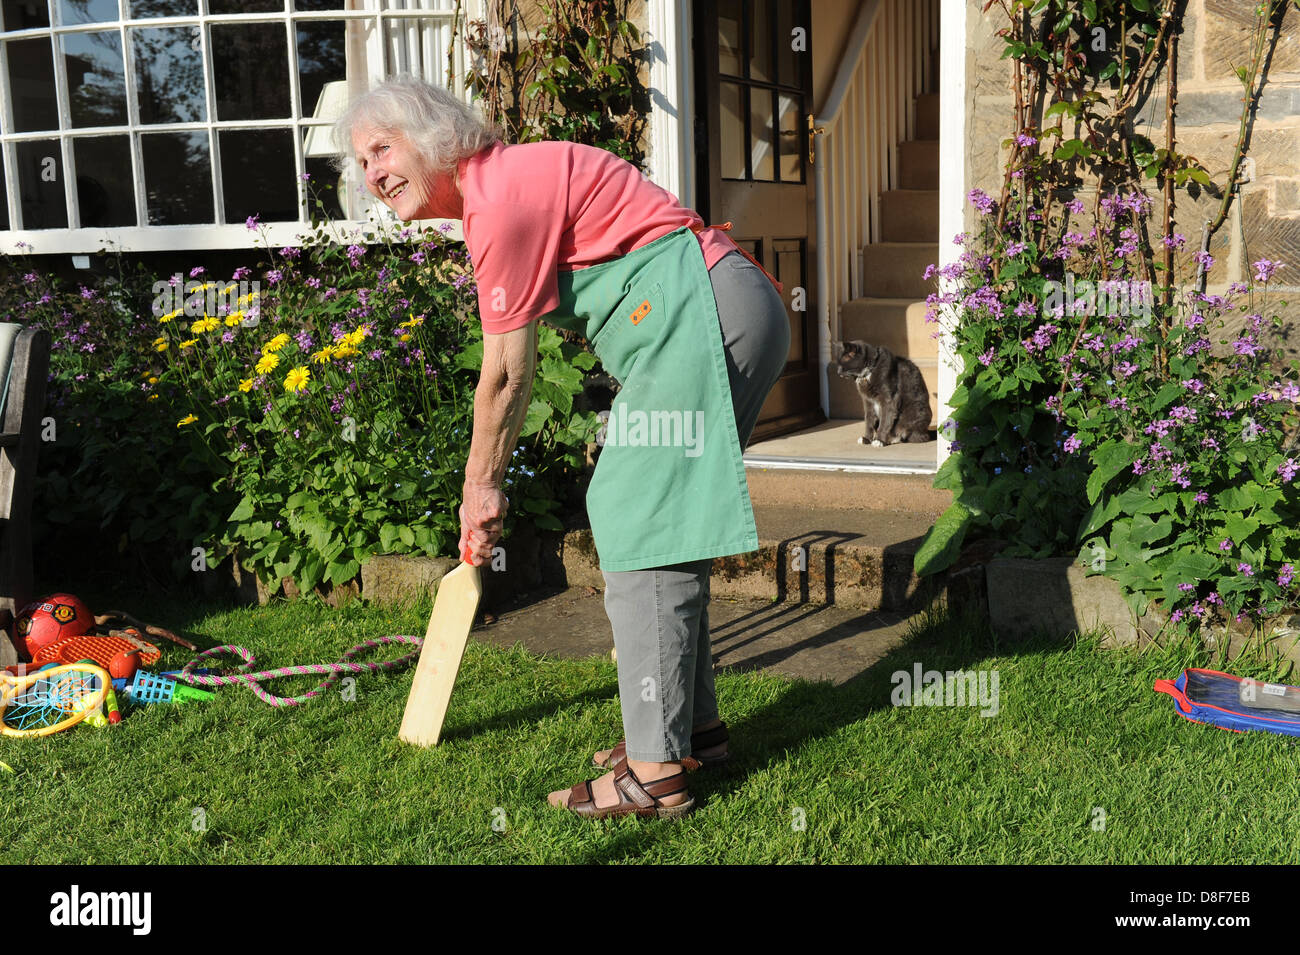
(313, 282)
(1225, 544)
(1175, 241)
(1072, 444)
(1244, 346)
(445, 227)
(1025, 309)
(1178, 473)
(1024, 139)
(1246, 569)
(251, 222)
(1264, 269)
(289, 252)
(1176, 615)
(1288, 469)
(228, 336)
(1204, 260)
(1287, 573)
(1194, 385)
(242, 272)
(1076, 206)
(1126, 368)
(984, 203)
(1201, 497)
(986, 359)
(355, 252)
(274, 276)
(1186, 588)
(1015, 248)
(417, 258)
(196, 271)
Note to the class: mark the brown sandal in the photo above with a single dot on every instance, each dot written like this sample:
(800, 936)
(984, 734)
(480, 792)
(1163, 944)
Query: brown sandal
(634, 796)
(704, 739)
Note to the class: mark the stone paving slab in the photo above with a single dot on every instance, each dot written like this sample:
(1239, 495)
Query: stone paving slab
(812, 641)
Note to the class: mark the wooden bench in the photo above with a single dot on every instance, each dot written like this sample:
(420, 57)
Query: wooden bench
(20, 443)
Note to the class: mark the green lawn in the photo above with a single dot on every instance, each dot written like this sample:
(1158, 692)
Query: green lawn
(1077, 728)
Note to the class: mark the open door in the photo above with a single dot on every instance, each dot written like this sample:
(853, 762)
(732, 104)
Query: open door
(754, 89)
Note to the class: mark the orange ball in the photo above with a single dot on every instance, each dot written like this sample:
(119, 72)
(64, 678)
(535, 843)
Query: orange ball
(124, 665)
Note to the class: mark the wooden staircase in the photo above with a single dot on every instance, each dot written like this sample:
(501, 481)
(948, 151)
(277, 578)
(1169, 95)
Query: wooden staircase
(891, 310)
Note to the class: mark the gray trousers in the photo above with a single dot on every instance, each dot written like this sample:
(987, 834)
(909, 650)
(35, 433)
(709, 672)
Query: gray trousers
(660, 616)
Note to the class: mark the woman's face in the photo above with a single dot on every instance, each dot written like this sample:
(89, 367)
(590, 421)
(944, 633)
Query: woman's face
(398, 176)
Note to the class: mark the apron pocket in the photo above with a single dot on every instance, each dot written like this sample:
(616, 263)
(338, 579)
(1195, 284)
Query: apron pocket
(637, 320)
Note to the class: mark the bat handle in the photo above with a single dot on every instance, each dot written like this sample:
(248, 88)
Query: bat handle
(465, 554)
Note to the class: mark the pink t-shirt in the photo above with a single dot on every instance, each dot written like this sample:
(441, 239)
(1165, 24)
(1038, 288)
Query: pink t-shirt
(533, 208)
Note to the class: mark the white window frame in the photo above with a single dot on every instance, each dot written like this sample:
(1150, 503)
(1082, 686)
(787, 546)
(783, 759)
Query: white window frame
(394, 47)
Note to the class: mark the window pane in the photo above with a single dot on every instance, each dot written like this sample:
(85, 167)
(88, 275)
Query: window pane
(318, 4)
(24, 14)
(792, 140)
(40, 184)
(87, 11)
(31, 78)
(257, 174)
(760, 40)
(787, 67)
(245, 6)
(760, 132)
(105, 188)
(96, 84)
(321, 60)
(729, 51)
(250, 66)
(163, 8)
(177, 178)
(324, 183)
(732, 120)
(4, 201)
(168, 76)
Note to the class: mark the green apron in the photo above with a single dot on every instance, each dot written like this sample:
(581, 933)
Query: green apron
(669, 485)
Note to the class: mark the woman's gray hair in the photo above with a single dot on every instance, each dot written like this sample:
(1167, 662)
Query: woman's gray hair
(442, 128)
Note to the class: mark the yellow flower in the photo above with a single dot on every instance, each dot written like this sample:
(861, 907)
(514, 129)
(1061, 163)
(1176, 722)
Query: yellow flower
(404, 338)
(297, 379)
(169, 316)
(234, 318)
(153, 397)
(275, 344)
(267, 362)
(188, 419)
(345, 351)
(153, 379)
(246, 384)
(323, 356)
(204, 324)
(160, 343)
(187, 343)
(413, 321)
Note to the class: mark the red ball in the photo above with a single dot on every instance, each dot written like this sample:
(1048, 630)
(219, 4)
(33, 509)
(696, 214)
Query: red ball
(47, 621)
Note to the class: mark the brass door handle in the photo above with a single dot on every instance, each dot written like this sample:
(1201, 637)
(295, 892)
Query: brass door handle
(813, 131)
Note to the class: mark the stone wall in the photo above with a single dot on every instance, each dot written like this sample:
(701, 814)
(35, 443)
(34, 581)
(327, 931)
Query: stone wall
(1264, 219)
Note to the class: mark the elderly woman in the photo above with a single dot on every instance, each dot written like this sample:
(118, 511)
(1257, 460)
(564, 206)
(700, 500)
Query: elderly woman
(696, 335)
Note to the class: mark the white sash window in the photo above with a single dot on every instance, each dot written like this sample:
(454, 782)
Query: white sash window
(165, 124)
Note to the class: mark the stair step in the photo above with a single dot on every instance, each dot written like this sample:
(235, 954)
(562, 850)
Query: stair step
(894, 323)
(909, 215)
(847, 403)
(897, 269)
(918, 164)
(927, 116)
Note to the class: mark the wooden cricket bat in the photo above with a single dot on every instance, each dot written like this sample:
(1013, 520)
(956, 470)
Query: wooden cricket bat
(444, 646)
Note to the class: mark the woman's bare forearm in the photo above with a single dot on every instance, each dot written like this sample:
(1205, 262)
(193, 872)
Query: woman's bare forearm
(501, 404)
